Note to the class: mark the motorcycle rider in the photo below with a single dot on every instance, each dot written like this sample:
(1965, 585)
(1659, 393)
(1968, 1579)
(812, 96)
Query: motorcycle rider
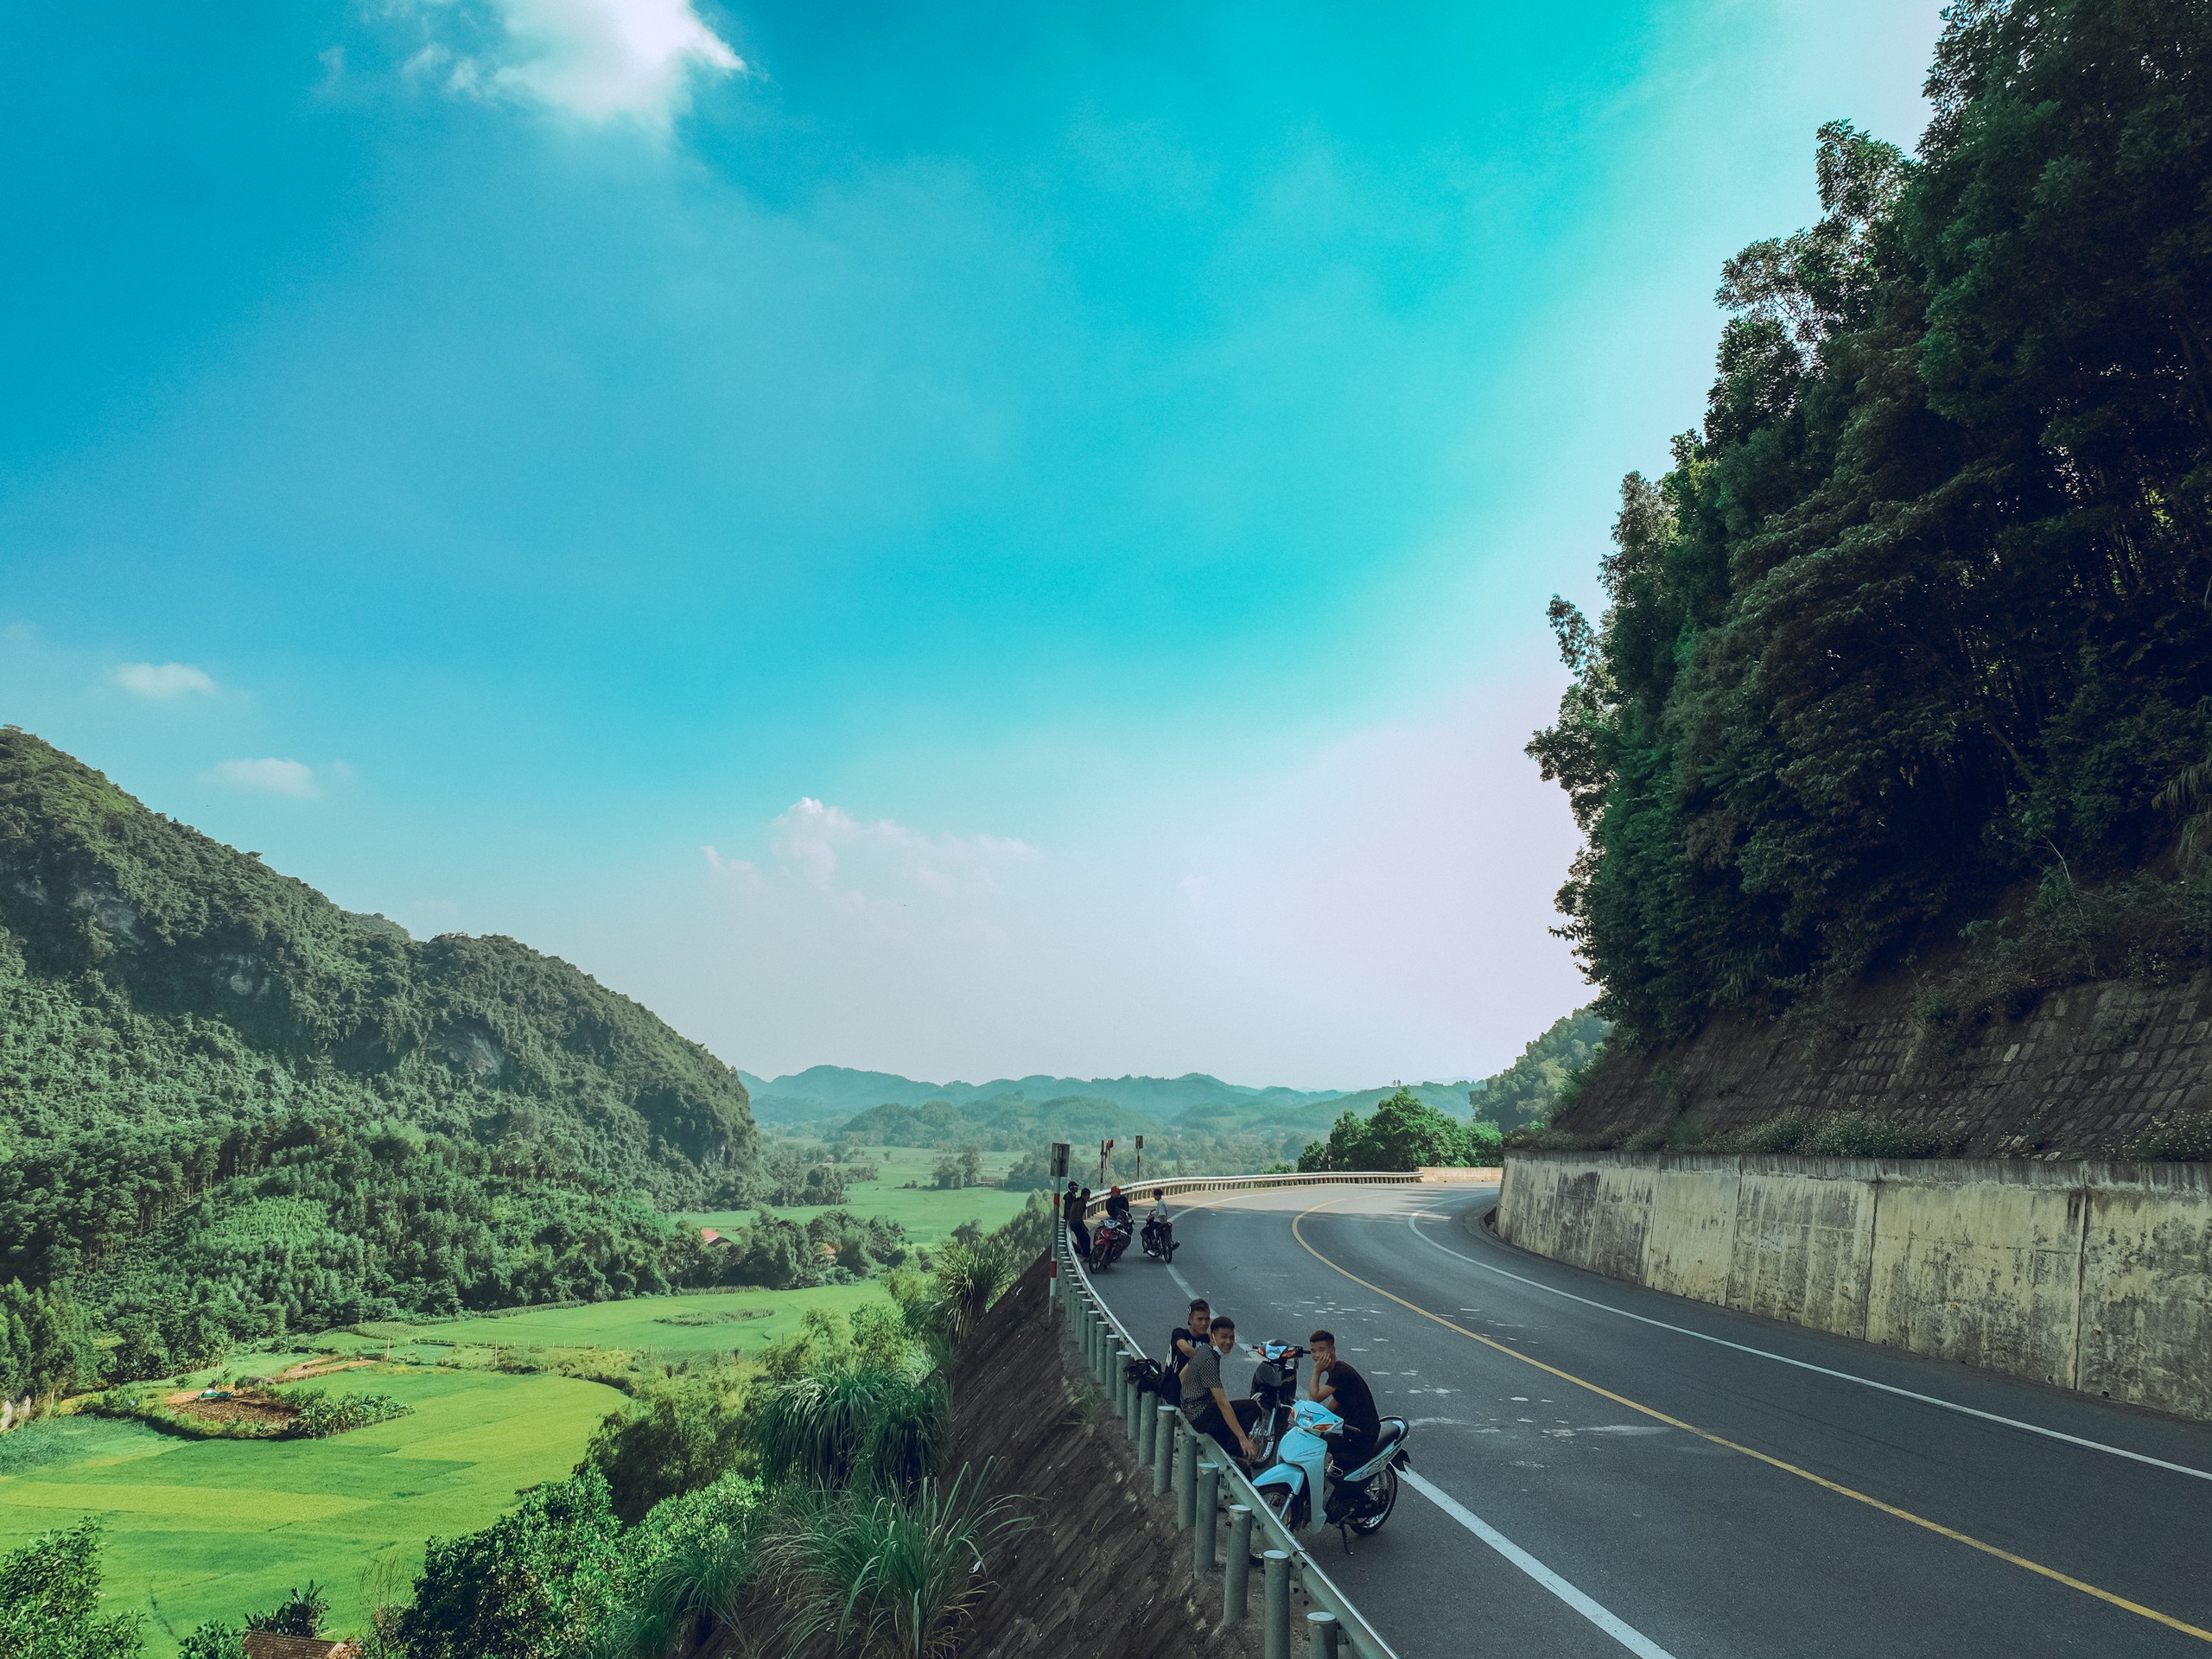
(1338, 1385)
(1157, 1229)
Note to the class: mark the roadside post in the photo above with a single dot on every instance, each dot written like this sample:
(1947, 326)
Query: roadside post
(1202, 1532)
(1163, 1449)
(1322, 1634)
(1275, 1622)
(1147, 1436)
(1186, 1475)
(1237, 1571)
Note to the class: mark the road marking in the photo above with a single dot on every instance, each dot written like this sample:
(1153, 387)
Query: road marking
(1807, 1366)
(1822, 1481)
(1626, 1634)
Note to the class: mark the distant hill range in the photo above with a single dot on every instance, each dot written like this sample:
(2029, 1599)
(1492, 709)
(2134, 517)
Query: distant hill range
(1008, 1112)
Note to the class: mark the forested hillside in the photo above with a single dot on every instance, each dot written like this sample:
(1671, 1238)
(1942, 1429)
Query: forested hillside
(1907, 665)
(228, 1107)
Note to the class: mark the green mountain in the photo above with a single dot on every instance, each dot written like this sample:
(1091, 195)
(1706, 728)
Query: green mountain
(824, 1095)
(228, 1106)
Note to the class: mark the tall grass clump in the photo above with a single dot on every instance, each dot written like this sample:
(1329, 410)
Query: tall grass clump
(969, 1278)
(885, 1576)
(870, 1424)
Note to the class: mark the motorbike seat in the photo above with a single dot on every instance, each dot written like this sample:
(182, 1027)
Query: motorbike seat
(1391, 1430)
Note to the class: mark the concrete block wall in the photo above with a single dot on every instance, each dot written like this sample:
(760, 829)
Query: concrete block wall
(2090, 1276)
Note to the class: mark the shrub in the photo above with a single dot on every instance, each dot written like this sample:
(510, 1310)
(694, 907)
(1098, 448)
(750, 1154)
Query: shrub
(535, 1584)
(50, 1601)
(321, 1414)
(212, 1640)
(682, 1434)
(301, 1613)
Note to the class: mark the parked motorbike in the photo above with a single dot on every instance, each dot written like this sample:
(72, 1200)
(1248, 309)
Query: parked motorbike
(1361, 1498)
(1275, 1386)
(1160, 1240)
(1108, 1240)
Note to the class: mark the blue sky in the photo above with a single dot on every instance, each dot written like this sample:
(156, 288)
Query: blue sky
(963, 543)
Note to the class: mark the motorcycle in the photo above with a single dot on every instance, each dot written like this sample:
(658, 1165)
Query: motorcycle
(1362, 1498)
(1160, 1240)
(1108, 1240)
(1275, 1386)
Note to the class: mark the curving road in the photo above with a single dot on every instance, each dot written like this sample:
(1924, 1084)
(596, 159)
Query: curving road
(1602, 1468)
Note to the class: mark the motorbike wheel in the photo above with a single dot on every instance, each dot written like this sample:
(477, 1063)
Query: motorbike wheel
(1285, 1507)
(1381, 1498)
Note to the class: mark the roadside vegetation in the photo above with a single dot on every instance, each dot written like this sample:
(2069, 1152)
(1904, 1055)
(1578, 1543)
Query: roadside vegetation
(1907, 662)
(800, 1489)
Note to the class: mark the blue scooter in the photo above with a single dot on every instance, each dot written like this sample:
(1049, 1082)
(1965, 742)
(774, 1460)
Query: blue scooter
(1363, 1497)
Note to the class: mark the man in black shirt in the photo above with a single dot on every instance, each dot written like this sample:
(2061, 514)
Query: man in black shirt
(1183, 1341)
(1338, 1386)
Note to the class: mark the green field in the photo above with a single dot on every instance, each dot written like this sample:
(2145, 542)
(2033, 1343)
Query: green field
(928, 1215)
(201, 1529)
(713, 1322)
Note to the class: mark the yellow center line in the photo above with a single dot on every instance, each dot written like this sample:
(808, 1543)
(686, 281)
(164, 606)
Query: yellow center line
(1935, 1526)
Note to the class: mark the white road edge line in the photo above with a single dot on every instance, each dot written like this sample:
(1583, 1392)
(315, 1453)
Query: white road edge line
(1627, 1635)
(1807, 1366)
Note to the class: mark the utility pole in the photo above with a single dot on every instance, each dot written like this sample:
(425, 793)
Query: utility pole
(1104, 1147)
(1138, 1179)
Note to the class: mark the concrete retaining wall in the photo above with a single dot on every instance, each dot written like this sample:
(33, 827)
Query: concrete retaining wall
(2091, 1276)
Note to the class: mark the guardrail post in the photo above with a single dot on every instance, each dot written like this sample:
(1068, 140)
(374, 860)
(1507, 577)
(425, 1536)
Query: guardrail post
(1237, 1571)
(1186, 1474)
(1275, 1619)
(1163, 1449)
(1147, 1433)
(1323, 1634)
(1202, 1529)
(1106, 1358)
(1122, 1391)
(1132, 1402)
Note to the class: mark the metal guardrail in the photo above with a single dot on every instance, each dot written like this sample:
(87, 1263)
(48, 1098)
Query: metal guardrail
(1202, 1481)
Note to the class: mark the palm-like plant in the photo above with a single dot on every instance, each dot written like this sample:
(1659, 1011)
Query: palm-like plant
(882, 1576)
(865, 1424)
(969, 1278)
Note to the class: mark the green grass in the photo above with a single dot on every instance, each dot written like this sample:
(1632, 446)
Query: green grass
(201, 1529)
(743, 1319)
(929, 1216)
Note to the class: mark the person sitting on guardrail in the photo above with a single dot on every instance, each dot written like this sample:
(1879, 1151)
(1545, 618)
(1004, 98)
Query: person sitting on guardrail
(1183, 1341)
(1206, 1404)
(1072, 1209)
(1338, 1385)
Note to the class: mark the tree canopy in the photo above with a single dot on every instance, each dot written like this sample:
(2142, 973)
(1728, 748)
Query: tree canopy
(1921, 616)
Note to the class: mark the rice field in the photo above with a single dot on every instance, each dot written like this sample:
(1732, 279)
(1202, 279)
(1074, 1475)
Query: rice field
(928, 1215)
(199, 1529)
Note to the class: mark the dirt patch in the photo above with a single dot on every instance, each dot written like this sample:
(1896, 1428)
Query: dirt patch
(1105, 1572)
(307, 1369)
(246, 1406)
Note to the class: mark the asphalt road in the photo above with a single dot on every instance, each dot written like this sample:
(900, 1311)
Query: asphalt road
(1658, 1492)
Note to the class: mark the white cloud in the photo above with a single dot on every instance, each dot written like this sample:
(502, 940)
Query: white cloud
(881, 866)
(162, 682)
(599, 59)
(270, 777)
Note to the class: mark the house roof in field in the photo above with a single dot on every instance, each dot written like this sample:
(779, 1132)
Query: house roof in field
(268, 1644)
(711, 1236)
